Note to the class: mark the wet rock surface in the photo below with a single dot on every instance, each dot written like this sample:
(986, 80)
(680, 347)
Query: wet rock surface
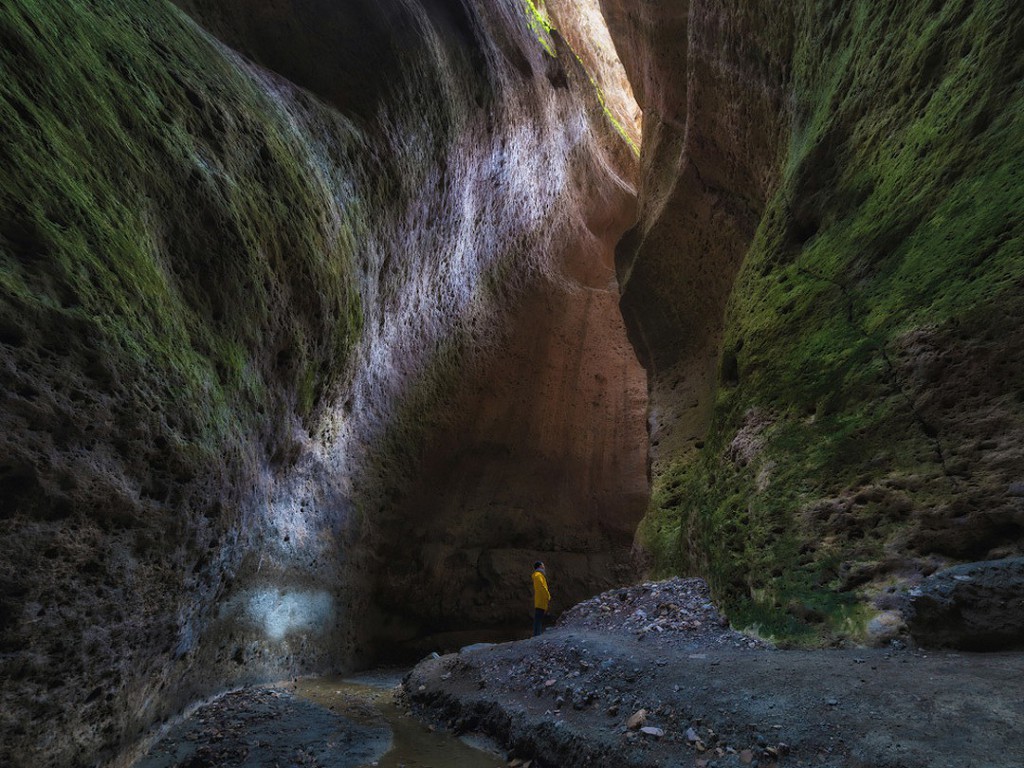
(318, 722)
(606, 697)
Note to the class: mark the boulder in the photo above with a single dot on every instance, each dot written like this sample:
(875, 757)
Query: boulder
(974, 606)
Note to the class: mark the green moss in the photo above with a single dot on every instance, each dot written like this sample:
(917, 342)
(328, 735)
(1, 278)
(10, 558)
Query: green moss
(899, 209)
(540, 25)
(608, 114)
(150, 191)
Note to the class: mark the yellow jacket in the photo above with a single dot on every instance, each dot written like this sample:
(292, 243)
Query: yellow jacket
(541, 596)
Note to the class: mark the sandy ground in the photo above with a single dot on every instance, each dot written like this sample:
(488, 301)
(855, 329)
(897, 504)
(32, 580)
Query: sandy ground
(610, 688)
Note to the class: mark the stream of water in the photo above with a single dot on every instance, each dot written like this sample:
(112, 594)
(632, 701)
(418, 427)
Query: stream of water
(368, 697)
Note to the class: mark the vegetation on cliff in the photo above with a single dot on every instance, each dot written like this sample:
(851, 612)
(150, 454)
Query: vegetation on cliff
(161, 217)
(867, 417)
(234, 307)
(176, 301)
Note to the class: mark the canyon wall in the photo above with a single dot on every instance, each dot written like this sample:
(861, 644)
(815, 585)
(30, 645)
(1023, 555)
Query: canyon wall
(824, 285)
(291, 301)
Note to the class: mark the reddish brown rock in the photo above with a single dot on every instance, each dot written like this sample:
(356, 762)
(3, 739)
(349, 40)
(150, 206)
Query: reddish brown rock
(238, 319)
(711, 81)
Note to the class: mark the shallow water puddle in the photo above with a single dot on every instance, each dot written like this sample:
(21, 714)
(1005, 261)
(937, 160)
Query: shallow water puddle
(369, 697)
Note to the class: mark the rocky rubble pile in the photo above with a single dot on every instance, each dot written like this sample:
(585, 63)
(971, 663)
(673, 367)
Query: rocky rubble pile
(654, 608)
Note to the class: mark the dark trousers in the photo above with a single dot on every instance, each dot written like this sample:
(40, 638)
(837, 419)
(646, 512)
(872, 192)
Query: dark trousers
(538, 620)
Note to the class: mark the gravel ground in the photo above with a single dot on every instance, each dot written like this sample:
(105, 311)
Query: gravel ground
(268, 727)
(649, 676)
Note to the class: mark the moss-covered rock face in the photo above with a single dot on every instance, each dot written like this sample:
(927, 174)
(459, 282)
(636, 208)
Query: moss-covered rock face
(235, 314)
(826, 290)
(179, 303)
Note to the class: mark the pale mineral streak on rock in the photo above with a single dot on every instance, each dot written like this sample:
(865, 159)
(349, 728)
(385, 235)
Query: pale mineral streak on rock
(373, 213)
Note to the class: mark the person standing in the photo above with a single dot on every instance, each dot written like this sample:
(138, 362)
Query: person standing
(541, 597)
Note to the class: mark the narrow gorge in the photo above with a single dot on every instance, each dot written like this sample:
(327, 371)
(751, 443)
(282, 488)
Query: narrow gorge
(321, 321)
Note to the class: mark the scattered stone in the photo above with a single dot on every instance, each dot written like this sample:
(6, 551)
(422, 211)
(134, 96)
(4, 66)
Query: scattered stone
(647, 722)
(637, 719)
(268, 727)
(654, 608)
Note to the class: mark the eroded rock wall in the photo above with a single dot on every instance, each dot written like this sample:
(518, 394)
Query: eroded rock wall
(824, 285)
(242, 293)
(543, 457)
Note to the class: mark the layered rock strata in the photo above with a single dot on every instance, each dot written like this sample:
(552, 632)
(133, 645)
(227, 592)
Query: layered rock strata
(825, 288)
(247, 255)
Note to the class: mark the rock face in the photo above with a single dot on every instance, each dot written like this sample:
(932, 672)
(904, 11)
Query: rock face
(263, 266)
(975, 606)
(544, 457)
(824, 286)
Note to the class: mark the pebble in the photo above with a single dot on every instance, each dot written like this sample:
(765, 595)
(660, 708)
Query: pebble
(637, 719)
